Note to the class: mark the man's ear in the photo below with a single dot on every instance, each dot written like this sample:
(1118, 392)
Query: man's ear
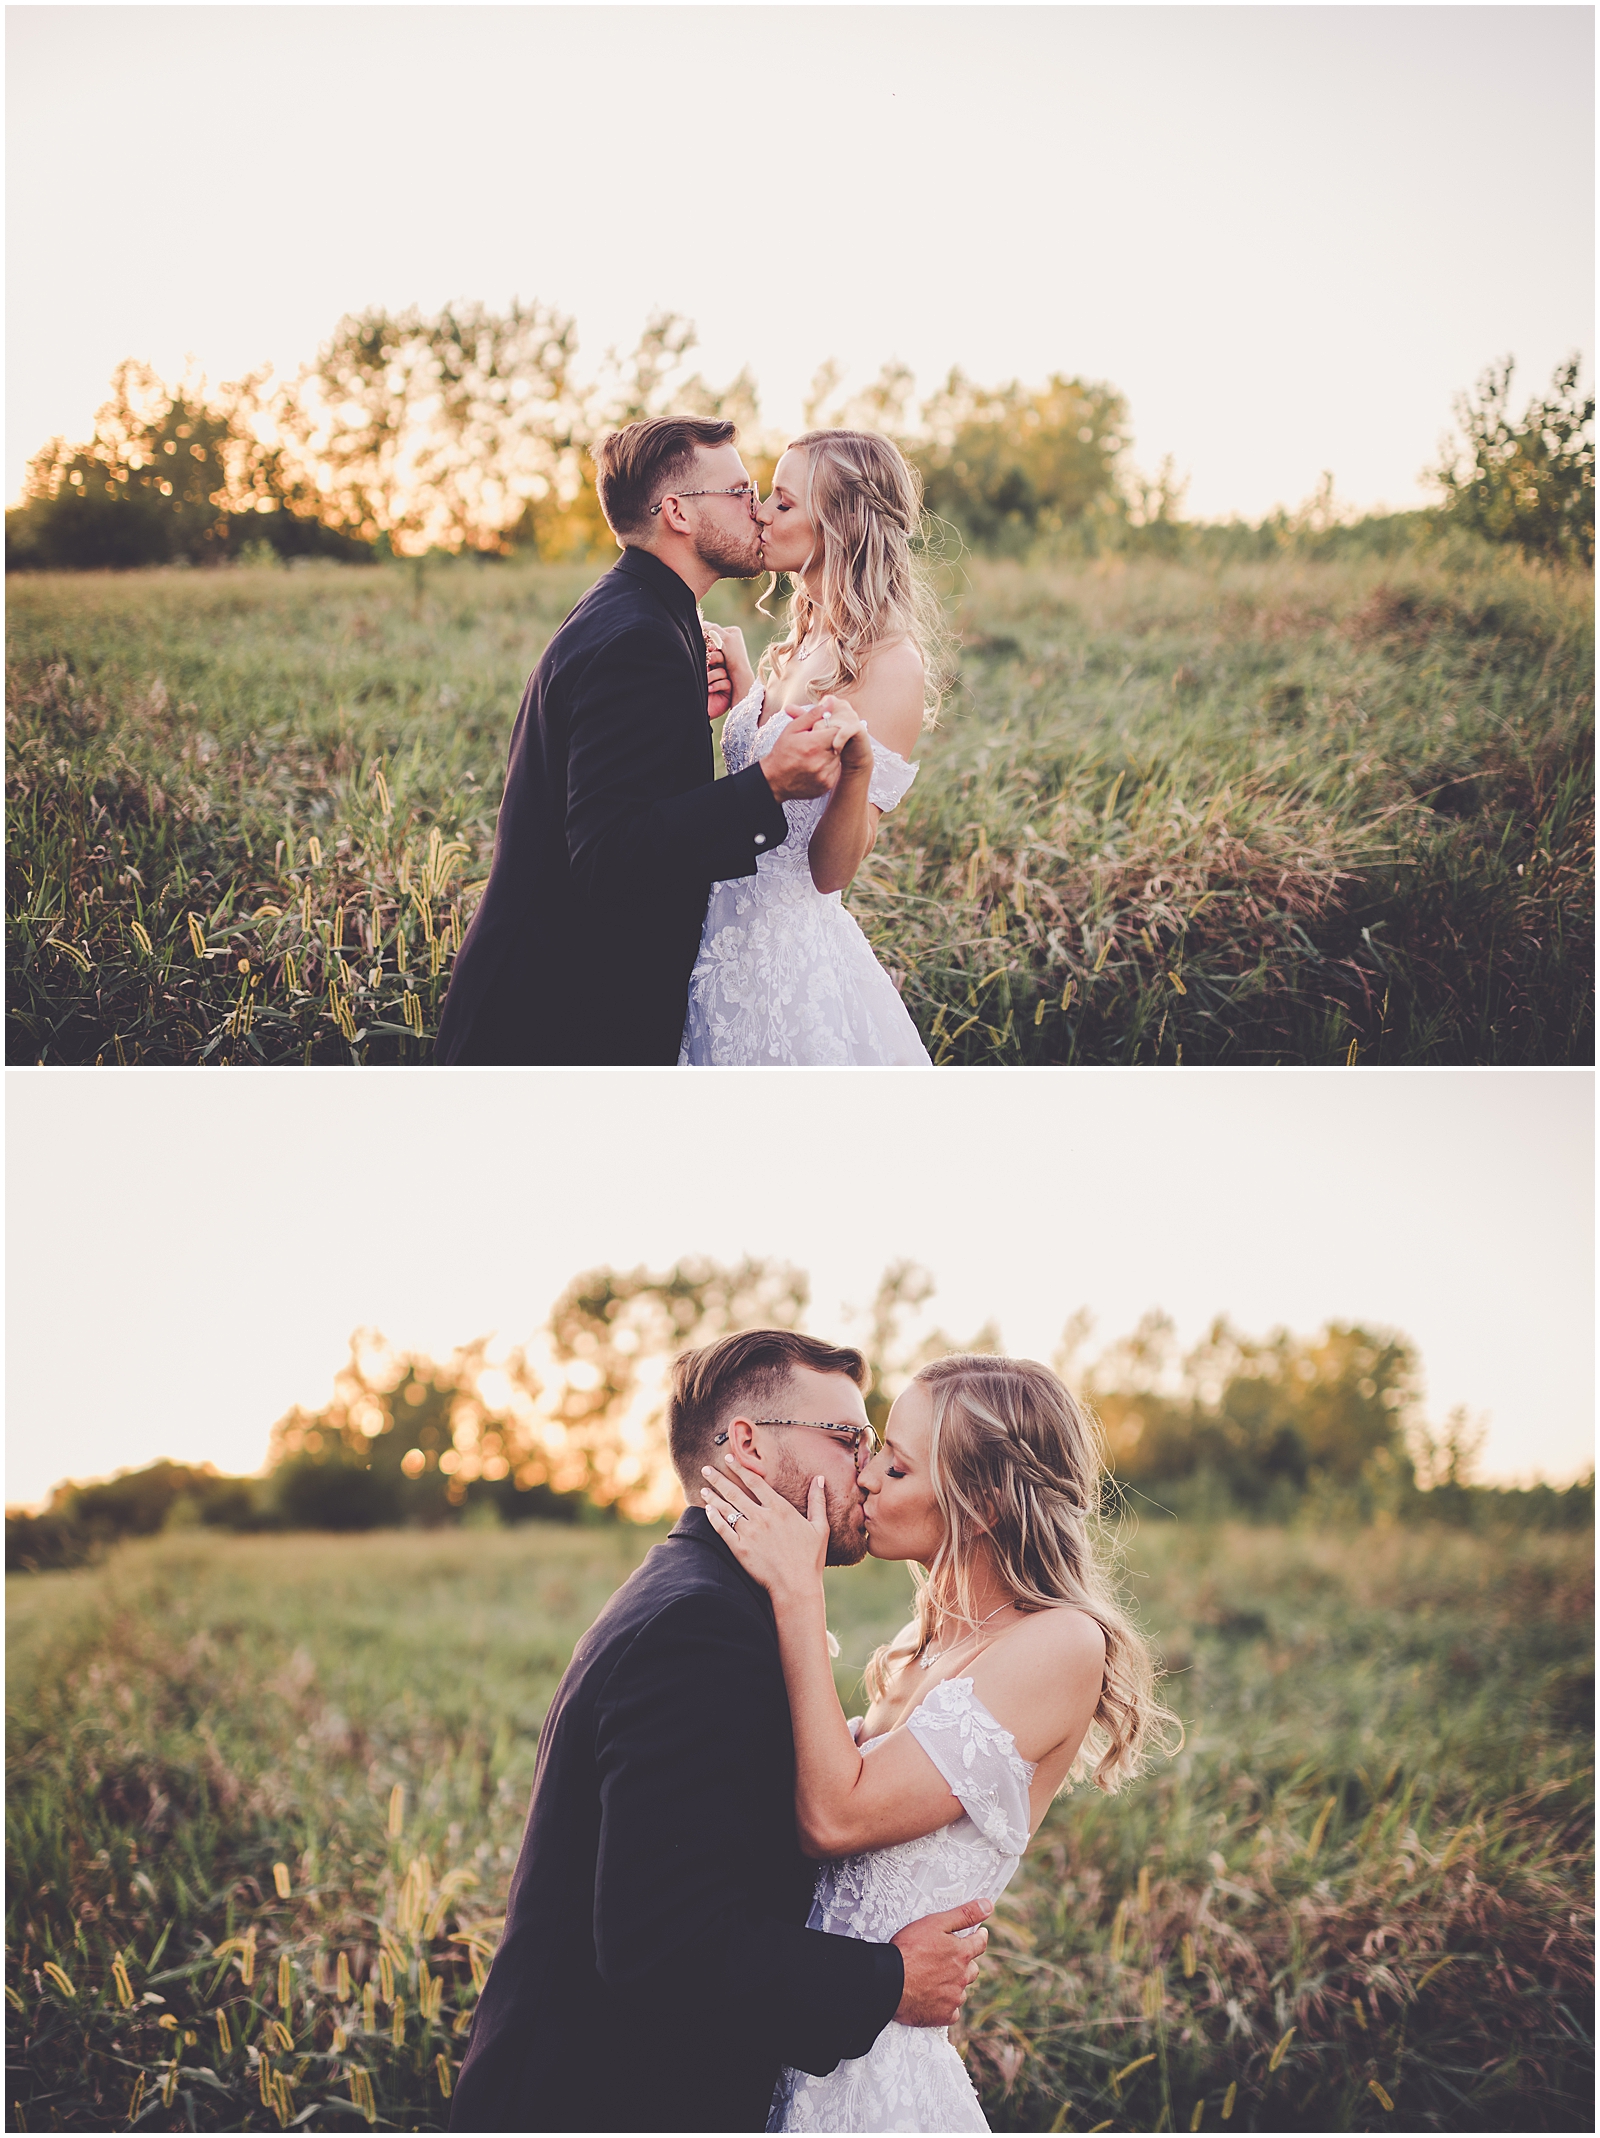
(742, 1442)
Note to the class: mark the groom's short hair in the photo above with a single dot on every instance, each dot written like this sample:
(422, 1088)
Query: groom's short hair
(641, 462)
(748, 1369)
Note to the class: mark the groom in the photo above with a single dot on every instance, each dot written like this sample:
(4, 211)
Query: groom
(655, 1973)
(612, 828)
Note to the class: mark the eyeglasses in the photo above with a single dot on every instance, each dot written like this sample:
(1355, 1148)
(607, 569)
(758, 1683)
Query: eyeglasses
(750, 492)
(858, 1437)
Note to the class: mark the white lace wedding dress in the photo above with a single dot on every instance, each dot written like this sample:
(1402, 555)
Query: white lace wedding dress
(911, 2079)
(784, 973)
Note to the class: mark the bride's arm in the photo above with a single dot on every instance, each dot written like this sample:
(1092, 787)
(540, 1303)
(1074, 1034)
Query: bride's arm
(785, 1552)
(887, 701)
(1042, 1682)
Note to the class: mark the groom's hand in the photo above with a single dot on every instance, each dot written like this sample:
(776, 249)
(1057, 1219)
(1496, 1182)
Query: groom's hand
(802, 763)
(941, 1962)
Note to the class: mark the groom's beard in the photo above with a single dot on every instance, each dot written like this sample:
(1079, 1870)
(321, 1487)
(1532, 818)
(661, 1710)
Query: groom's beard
(847, 1529)
(730, 559)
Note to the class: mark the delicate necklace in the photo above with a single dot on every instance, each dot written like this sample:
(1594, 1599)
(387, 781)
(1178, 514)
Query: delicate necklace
(926, 1662)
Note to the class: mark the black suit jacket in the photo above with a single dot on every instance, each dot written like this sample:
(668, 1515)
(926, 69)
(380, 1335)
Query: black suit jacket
(612, 831)
(655, 1972)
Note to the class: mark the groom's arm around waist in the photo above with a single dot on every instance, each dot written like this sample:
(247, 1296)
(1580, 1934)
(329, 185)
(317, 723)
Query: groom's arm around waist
(634, 807)
(695, 1791)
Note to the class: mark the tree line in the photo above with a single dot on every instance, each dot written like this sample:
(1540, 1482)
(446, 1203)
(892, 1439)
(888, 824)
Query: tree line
(469, 431)
(1264, 1429)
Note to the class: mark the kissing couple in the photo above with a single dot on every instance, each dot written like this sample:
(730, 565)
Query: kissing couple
(735, 1910)
(641, 910)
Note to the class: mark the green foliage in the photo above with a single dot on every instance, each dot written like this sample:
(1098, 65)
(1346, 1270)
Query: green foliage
(1531, 482)
(171, 475)
(1262, 1422)
(1378, 1833)
(80, 1521)
(1345, 804)
(1009, 466)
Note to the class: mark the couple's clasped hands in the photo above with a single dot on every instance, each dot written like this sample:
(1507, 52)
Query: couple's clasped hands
(820, 742)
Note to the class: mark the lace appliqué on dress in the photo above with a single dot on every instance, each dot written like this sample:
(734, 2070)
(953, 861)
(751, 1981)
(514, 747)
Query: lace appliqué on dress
(784, 973)
(911, 2079)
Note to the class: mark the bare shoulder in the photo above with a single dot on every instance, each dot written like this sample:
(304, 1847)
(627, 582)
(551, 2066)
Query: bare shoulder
(1043, 1678)
(890, 694)
(1061, 1647)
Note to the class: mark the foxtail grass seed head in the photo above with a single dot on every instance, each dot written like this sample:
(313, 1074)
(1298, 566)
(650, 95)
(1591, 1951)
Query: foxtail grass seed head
(280, 1878)
(291, 975)
(285, 1984)
(1187, 1954)
(397, 2023)
(136, 2097)
(280, 2036)
(397, 1810)
(1128, 2070)
(264, 2081)
(190, 2038)
(475, 1962)
(1199, 2115)
(341, 1980)
(60, 1977)
(386, 1978)
(224, 2034)
(1281, 2051)
(197, 937)
(169, 2084)
(375, 976)
(1143, 1889)
(1321, 1827)
(305, 909)
(1383, 2099)
(338, 927)
(120, 1982)
(341, 2040)
(441, 2065)
(169, 2022)
(247, 1958)
(1150, 1996)
(369, 2009)
(361, 2093)
(314, 849)
(141, 935)
(1229, 2098)
(384, 803)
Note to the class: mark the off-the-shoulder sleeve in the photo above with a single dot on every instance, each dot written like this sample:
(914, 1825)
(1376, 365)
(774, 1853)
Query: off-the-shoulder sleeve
(980, 1761)
(891, 777)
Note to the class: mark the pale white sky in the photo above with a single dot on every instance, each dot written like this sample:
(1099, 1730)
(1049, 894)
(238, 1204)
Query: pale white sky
(188, 1252)
(1289, 235)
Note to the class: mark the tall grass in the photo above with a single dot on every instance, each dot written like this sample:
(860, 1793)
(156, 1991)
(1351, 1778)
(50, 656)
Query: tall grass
(265, 1796)
(1299, 810)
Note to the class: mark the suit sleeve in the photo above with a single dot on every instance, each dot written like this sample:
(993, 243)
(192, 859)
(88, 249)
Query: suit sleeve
(685, 1733)
(632, 814)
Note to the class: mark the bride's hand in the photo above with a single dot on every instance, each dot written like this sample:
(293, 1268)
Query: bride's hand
(848, 733)
(784, 1549)
(735, 659)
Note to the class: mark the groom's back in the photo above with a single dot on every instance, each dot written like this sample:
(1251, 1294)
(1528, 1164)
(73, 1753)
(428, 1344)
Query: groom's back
(583, 956)
(662, 1806)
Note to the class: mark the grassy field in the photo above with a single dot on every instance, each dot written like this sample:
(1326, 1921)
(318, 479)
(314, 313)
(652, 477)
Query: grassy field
(1299, 811)
(264, 1796)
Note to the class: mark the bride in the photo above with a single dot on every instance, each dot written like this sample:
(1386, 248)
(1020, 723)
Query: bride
(1018, 1672)
(784, 973)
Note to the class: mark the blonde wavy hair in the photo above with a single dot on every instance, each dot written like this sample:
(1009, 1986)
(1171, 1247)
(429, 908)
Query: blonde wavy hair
(865, 499)
(1017, 1460)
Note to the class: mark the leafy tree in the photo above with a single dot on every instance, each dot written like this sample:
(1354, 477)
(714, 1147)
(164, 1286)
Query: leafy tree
(1010, 465)
(438, 430)
(408, 1438)
(615, 1333)
(171, 473)
(1262, 1422)
(1529, 482)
